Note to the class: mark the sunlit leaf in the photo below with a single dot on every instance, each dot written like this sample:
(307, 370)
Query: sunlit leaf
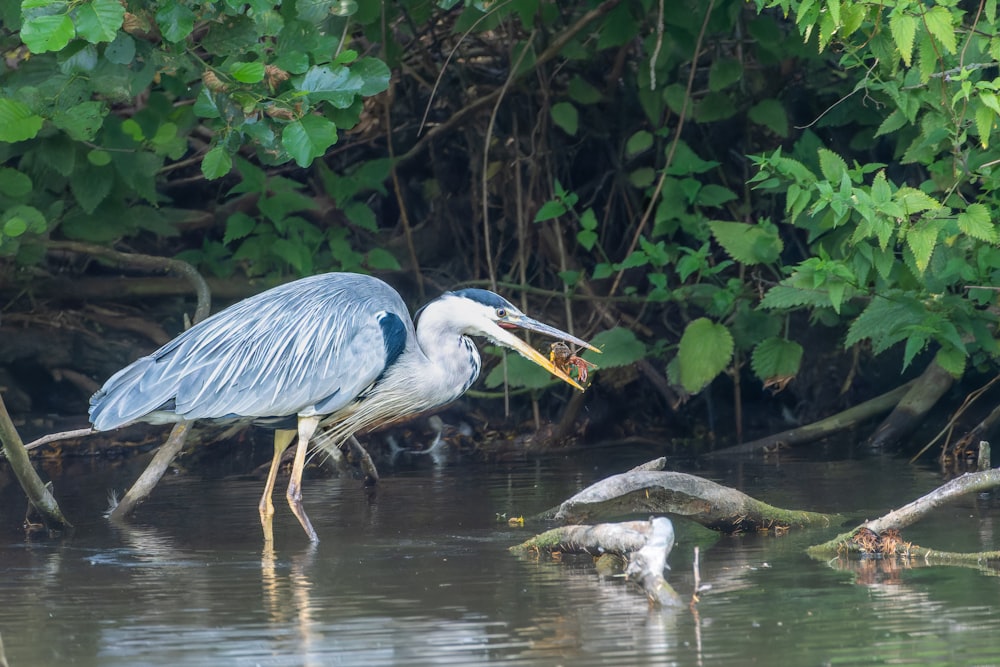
(705, 350)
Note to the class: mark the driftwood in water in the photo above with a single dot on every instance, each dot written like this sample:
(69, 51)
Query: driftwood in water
(650, 491)
(824, 428)
(922, 396)
(645, 544)
(974, 482)
(38, 493)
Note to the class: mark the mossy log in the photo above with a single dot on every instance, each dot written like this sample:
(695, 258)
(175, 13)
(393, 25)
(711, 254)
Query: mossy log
(644, 491)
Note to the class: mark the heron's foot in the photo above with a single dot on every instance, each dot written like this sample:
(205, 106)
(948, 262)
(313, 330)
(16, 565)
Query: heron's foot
(295, 503)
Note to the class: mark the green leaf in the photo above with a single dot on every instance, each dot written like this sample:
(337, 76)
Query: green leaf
(916, 201)
(176, 21)
(520, 373)
(22, 218)
(81, 122)
(99, 20)
(121, 51)
(747, 244)
(47, 33)
(91, 186)
(723, 72)
(714, 195)
(13, 183)
(784, 297)
(771, 114)
(308, 138)
(380, 259)
(361, 215)
(17, 122)
(952, 360)
(565, 115)
(939, 24)
(581, 91)
(832, 166)
(776, 358)
(639, 142)
(216, 163)
(976, 222)
(619, 347)
(553, 208)
(247, 72)
(238, 226)
(985, 120)
(374, 75)
(903, 28)
(705, 350)
(337, 86)
(892, 122)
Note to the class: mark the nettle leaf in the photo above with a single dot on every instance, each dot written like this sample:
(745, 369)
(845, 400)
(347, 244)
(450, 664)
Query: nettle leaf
(91, 186)
(783, 297)
(776, 358)
(952, 360)
(903, 28)
(705, 350)
(771, 114)
(238, 226)
(380, 259)
(939, 24)
(885, 321)
(99, 20)
(916, 201)
(985, 120)
(976, 222)
(17, 122)
(747, 244)
(832, 165)
(619, 347)
(921, 239)
(638, 143)
(308, 138)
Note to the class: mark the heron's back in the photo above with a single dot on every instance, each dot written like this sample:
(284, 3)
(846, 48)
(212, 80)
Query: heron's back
(311, 345)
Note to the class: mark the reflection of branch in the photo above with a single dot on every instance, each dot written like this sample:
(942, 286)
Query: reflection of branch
(975, 482)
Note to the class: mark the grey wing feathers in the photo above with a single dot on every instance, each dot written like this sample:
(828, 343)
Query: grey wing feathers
(282, 352)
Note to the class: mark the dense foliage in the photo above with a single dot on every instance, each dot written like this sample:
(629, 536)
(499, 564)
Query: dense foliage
(698, 172)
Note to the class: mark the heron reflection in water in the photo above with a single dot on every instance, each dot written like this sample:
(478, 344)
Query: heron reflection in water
(336, 350)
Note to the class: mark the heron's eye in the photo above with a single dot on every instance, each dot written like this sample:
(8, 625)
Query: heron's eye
(501, 313)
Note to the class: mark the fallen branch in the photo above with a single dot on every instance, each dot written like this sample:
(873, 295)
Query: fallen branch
(923, 395)
(646, 545)
(824, 428)
(663, 492)
(973, 482)
(39, 496)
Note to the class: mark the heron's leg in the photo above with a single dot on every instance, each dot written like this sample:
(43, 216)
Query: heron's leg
(282, 438)
(307, 426)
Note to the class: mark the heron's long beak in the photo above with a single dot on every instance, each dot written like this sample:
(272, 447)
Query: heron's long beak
(521, 322)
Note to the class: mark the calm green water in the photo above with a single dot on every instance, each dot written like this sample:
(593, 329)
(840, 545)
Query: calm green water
(418, 573)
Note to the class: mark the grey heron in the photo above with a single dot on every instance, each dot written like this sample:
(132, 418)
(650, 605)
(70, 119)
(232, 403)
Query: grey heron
(337, 350)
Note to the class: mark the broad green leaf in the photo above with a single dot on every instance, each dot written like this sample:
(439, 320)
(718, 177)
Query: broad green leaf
(23, 218)
(916, 201)
(582, 92)
(903, 27)
(337, 86)
(361, 215)
(239, 225)
(832, 166)
(639, 142)
(747, 244)
(975, 221)
(952, 360)
(381, 259)
(723, 72)
(771, 114)
(81, 122)
(985, 120)
(14, 226)
(520, 373)
(17, 122)
(619, 347)
(14, 183)
(565, 115)
(91, 186)
(252, 72)
(881, 191)
(921, 239)
(175, 20)
(121, 51)
(705, 350)
(714, 195)
(892, 122)
(374, 75)
(308, 138)
(553, 208)
(216, 163)
(939, 24)
(99, 20)
(776, 358)
(47, 33)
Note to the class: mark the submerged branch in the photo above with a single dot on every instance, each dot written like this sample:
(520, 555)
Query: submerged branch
(39, 496)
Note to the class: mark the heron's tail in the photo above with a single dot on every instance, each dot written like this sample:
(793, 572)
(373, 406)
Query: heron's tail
(127, 396)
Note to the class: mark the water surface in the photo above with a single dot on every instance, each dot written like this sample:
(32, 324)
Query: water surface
(418, 573)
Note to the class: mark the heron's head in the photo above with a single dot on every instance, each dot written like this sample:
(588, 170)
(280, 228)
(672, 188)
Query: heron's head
(479, 312)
